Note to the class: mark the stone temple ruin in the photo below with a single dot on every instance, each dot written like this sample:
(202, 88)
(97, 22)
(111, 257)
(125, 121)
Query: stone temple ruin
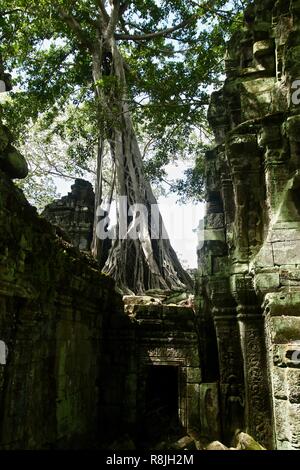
(74, 214)
(249, 265)
(78, 362)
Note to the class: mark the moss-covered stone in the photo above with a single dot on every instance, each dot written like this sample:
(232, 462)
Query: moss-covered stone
(251, 298)
(54, 303)
(246, 442)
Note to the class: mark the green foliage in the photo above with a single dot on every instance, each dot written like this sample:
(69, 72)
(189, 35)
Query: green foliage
(191, 187)
(49, 159)
(39, 189)
(169, 77)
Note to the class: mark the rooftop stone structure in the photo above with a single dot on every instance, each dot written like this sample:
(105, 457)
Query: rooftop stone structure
(74, 214)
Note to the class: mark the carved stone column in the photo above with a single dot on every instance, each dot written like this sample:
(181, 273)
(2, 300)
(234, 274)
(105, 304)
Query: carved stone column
(231, 371)
(258, 403)
(282, 332)
(257, 390)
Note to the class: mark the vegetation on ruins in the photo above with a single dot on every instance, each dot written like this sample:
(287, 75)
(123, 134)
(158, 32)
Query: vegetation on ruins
(128, 79)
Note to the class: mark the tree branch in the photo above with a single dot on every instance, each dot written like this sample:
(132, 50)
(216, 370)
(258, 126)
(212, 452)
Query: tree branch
(218, 12)
(114, 18)
(9, 12)
(102, 10)
(146, 147)
(156, 34)
(75, 27)
(123, 7)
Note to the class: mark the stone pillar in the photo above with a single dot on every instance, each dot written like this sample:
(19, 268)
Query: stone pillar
(257, 390)
(276, 157)
(231, 372)
(210, 411)
(253, 344)
(283, 336)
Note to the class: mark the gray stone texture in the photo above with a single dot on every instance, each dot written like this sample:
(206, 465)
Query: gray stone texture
(253, 176)
(74, 214)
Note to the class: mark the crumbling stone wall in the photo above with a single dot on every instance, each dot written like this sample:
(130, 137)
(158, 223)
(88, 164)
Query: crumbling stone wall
(249, 263)
(54, 307)
(54, 304)
(73, 364)
(160, 334)
(74, 214)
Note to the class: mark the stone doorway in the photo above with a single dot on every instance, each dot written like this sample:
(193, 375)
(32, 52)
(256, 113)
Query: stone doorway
(162, 402)
(162, 391)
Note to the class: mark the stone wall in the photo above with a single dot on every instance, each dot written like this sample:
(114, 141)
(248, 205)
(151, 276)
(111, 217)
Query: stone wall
(74, 214)
(54, 307)
(249, 263)
(159, 336)
(74, 366)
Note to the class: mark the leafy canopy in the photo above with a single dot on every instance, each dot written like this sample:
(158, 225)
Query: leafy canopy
(169, 75)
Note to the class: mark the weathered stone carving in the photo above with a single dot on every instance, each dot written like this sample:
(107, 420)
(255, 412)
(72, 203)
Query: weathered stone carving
(54, 310)
(210, 410)
(74, 214)
(253, 174)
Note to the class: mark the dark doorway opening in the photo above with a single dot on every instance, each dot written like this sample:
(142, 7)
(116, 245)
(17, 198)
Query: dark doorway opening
(162, 390)
(161, 417)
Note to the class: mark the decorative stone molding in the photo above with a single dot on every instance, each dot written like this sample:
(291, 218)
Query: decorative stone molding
(256, 165)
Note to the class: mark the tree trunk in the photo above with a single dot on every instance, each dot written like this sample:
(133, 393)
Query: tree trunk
(142, 263)
(97, 245)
